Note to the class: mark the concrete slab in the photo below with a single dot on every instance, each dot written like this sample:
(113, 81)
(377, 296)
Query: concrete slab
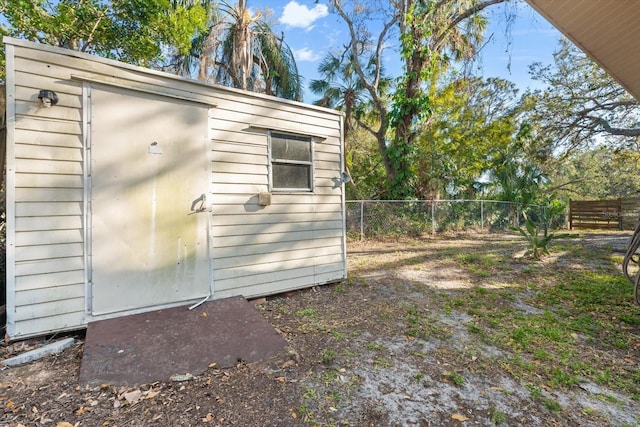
(39, 353)
(157, 345)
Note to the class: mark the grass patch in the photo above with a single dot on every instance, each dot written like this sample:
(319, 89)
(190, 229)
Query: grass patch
(375, 346)
(555, 322)
(594, 308)
(497, 416)
(307, 312)
(454, 378)
(327, 356)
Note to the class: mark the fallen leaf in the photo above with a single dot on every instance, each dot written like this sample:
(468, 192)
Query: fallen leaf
(133, 396)
(64, 424)
(410, 338)
(204, 314)
(81, 410)
(212, 365)
(459, 417)
(495, 388)
(34, 410)
(207, 418)
(294, 415)
(9, 404)
(281, 379)
(151, 394)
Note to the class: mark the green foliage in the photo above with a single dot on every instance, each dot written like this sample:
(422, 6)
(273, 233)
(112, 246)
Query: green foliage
(497, 416)
(455, 378)
(537, 234)
(327, 356)
(537, 242)
(582, 105)
(598, 173)
(239, 48)
(473, 121)
(130, 31)
(431, 36)
(551, 404)
(306, 312)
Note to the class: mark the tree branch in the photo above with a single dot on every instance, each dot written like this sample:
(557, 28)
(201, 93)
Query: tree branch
(461, 17)
(628, 132)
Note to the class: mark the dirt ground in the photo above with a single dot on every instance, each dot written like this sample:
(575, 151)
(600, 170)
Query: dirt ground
(359, 363)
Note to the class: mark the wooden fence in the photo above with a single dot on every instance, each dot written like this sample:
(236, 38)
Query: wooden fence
(619, 214)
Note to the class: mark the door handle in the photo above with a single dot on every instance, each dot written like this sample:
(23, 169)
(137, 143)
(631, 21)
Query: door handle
(202, 200)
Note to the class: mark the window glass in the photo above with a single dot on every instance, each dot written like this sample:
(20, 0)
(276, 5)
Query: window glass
(291, 162)
(291, 176)
(290, 149)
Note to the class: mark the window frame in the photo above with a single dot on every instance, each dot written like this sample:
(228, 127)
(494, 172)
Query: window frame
(310, 164)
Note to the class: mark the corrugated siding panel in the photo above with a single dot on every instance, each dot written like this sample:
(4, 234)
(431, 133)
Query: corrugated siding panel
(49, 283)
(296, 241)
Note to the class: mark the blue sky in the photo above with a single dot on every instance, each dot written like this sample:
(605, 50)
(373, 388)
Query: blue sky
(311, 31)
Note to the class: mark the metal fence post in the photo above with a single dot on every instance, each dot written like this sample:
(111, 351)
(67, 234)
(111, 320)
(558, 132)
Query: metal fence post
(482, 215)
(433, 217)
(362, 220)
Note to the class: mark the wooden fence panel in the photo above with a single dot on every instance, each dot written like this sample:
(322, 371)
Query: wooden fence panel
(630, 213)
(598, 214)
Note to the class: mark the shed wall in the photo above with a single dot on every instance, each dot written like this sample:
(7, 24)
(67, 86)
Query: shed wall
(46, 174)
(296, 242)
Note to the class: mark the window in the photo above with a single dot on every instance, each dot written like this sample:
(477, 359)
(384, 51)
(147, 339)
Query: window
(291, 162)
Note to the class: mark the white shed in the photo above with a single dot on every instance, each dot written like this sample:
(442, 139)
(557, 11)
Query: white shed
(139, 190)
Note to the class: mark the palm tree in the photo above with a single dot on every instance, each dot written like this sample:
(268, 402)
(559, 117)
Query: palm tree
(197, 63)
(241, 50)
(252, 57)
(339, 87)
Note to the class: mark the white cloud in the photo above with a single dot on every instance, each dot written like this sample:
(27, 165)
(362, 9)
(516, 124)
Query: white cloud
(305, 54)
(297, 15)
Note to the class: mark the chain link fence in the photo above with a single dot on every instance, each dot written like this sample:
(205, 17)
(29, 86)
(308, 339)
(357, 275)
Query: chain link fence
(377, 218)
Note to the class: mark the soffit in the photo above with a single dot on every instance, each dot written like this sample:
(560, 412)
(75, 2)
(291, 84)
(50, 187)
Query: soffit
(607, 30)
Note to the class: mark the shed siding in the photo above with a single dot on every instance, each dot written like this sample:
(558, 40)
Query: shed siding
(49, 256)
(297, 241)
